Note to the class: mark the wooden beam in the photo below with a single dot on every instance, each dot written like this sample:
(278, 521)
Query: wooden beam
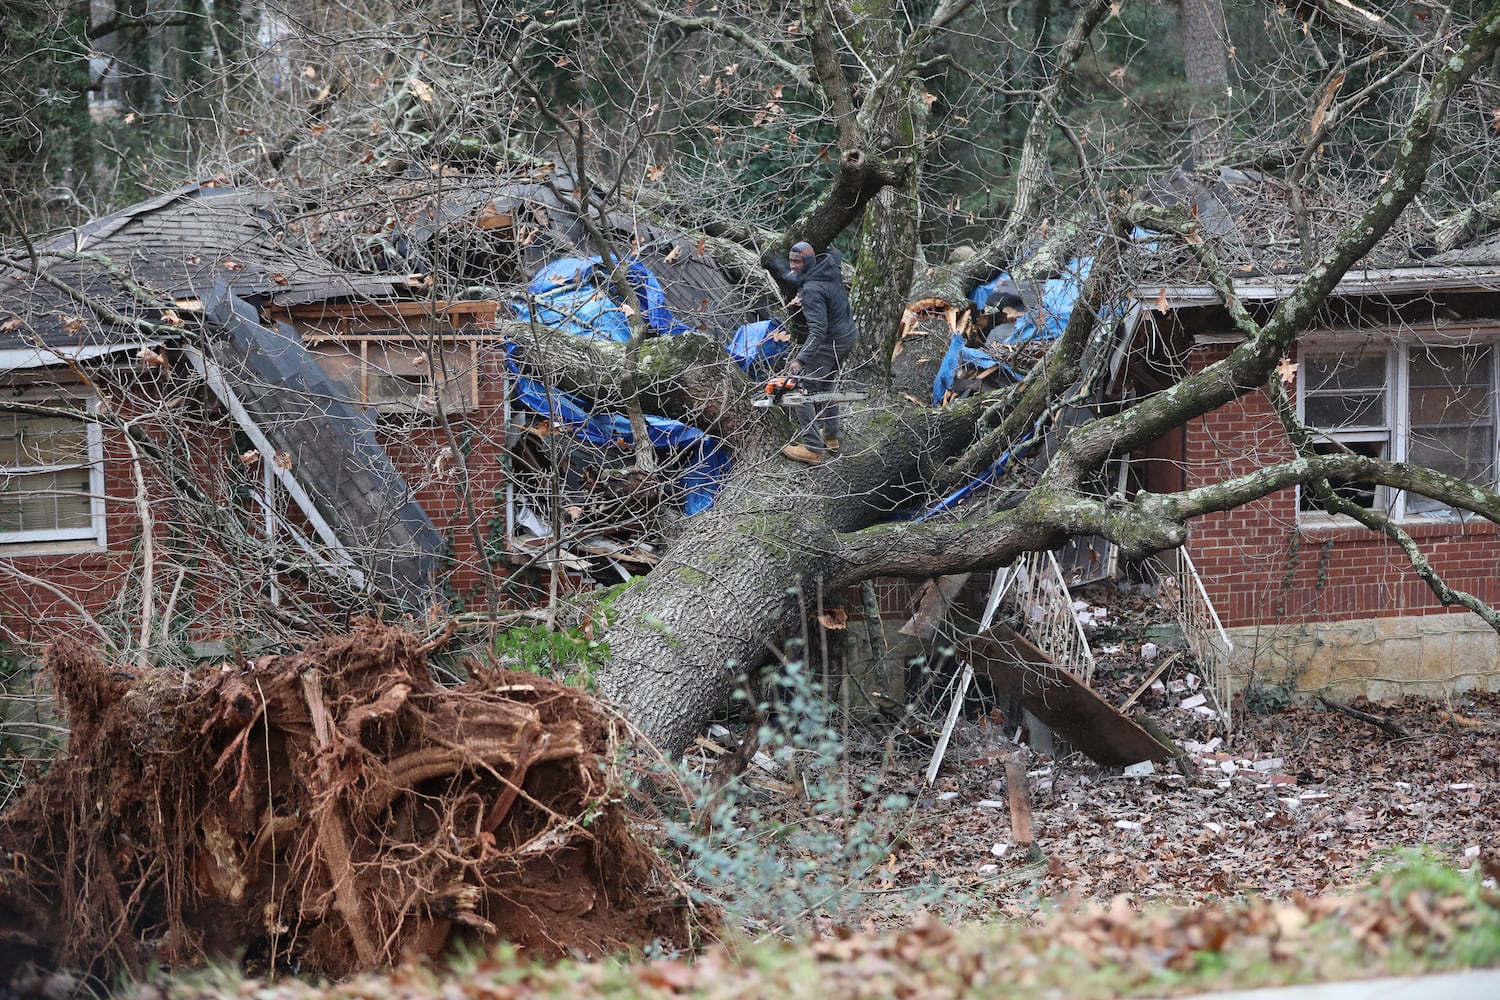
(1064, 703)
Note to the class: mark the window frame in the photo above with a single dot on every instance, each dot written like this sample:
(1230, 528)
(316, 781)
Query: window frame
(1397, 351)
(95, 534)
(459, 391)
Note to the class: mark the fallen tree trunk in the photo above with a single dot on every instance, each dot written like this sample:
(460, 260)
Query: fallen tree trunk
(331, 811)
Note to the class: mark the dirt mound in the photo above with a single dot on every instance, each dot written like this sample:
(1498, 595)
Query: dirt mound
(326, 812)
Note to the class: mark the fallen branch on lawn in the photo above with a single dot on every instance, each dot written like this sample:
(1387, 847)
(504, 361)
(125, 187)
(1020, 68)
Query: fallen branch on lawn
(1383, 724)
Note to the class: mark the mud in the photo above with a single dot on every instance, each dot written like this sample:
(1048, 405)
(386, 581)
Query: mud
(323, 813)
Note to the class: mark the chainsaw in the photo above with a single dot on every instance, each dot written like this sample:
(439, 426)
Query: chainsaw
(789, 390)
(781, 385)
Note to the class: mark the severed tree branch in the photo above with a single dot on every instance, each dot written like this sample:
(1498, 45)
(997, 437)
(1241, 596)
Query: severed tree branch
(1056, 382)
(1379, 722)
(1476, 220)
(1352, 19)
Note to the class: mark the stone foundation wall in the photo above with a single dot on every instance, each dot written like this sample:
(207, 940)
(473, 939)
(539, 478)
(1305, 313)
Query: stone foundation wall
(1380, 658)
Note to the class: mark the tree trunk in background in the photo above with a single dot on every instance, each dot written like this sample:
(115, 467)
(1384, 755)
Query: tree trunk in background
(1205, 57)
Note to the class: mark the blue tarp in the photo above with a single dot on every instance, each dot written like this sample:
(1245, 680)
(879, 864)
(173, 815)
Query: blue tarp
(1044, 320)
(576, 294)
(983, 479)
(754, 344)
(700, 481)
(957, 355)
(1000, 284)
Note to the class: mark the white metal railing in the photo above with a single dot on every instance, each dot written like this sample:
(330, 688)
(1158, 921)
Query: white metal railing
(1041, 594)
(1204, 633)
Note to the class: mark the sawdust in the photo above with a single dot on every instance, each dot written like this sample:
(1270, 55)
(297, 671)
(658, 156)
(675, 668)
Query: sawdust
(327, 812)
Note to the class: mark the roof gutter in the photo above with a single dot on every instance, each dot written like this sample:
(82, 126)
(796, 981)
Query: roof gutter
(26, 358)
(1363, 281)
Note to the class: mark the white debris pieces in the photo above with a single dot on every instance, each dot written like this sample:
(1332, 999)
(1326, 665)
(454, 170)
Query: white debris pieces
(1140, 770)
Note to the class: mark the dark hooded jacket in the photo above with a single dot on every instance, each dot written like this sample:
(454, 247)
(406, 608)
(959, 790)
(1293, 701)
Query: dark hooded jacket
(831, 332)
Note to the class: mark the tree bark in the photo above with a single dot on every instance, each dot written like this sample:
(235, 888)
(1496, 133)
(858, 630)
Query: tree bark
(1205, 47)
(726, 592)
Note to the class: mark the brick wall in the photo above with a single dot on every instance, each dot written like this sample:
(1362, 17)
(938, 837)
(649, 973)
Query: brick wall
(1260, 566)
(421, 448)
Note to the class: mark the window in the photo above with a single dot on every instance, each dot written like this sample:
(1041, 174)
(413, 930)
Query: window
(51, 471)
(399, 376)
(1409, 402)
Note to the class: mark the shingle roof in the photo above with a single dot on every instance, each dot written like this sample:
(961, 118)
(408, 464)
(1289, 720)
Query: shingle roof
(406, 225)
(173, 247)
(1253, 226)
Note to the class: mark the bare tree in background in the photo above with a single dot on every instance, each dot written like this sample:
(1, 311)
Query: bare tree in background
(754, 125)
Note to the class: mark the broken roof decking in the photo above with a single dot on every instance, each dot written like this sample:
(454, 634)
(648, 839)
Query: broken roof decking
(212, 245)
(332, 452)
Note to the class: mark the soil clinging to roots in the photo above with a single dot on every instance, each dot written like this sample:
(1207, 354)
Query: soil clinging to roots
(326, 812)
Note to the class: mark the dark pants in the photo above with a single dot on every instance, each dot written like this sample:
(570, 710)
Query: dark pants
(819, 421)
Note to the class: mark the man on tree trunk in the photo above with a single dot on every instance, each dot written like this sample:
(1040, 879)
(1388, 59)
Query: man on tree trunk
(831, 334)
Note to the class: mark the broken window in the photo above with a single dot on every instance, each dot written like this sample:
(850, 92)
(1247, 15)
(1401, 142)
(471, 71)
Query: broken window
(1429, 405)
(51, 470)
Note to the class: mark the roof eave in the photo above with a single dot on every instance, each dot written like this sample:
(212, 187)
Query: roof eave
(1356, 282)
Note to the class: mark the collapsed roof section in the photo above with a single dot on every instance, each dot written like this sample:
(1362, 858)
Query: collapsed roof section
(489, 235)
(323, 447)
(199, 251)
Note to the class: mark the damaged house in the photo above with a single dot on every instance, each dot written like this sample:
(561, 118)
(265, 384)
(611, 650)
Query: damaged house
(1401, 365)
(290, 400)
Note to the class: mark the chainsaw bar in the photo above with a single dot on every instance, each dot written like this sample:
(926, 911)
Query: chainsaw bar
(797, 398)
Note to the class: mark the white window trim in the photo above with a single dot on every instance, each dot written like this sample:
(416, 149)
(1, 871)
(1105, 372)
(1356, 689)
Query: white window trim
(1396, 345)
(95, 533)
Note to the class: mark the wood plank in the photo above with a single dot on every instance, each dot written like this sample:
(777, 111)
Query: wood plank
(933, 601)
(482, 310)
(1064, 703)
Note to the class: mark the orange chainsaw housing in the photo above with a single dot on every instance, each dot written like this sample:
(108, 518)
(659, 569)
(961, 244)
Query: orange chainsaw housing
(780, 385)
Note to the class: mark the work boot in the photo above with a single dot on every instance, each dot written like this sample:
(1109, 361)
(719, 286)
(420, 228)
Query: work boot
(802, 453)
(831, 444)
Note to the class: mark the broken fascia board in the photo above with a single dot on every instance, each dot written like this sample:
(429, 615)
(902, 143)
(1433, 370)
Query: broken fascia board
(344, 564)
(26, 358)
(1364, 281)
